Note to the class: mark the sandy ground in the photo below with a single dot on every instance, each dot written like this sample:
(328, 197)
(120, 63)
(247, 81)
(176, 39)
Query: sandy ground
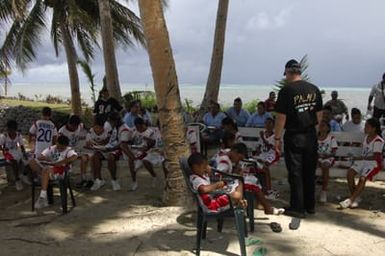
(134, 223)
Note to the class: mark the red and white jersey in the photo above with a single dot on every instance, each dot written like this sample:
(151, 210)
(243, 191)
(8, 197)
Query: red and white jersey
(372, 147)
(266, 142)
(197, 181)
(328, 145)
(12, 144)
(123, 134)
(139, 138)
(54, 155)
(44, 131)
(223, 162)
(93, 137)
(73, 136)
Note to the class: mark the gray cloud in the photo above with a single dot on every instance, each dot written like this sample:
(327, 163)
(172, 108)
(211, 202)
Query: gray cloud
(344, 40)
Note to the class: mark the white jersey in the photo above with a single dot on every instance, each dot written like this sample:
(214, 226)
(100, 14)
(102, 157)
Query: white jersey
(140, 138)
(54, 155)
(328, 145)
(197, 181)
(372, 147)
(223, 162)
(123, 134)
(97, 138)
(11, 144)
(266, 142)
(73, 136)
(44, 131)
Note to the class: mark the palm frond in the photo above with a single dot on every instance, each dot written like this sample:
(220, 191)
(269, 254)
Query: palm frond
(7, 49)
(90, 76)
(29, 35)
(56, 34)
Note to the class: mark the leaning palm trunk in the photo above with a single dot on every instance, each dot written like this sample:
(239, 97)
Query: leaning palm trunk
(72, 70)
(214, 79)
(109, 50)
(168, 97)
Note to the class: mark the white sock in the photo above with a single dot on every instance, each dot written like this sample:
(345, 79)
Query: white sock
(43, 193)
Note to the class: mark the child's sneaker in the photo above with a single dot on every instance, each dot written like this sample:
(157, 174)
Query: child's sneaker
(115, 185)
(323, 196)
(134, 186)
(278, 211)
(41, 203)
(355, 203)
(19, 185)
(97, 184)
(346, 203)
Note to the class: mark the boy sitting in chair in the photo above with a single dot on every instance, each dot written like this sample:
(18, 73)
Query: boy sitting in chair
(52, 163)
(200, 182)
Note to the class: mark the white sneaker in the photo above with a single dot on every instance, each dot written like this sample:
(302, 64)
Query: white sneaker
(355, 203)
(97, 184)
(278, 211)
(41, 203)
(115, 185)
(25, 179)
(323, 196)
(346, 203)
(134, 186)
(19, 185)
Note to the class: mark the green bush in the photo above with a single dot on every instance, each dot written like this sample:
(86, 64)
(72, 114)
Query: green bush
(147, 98)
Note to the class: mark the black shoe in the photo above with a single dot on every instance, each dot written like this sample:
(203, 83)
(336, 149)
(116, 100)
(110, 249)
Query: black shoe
(292, 213)
(89, 184)
(310, 211)
(81, 184)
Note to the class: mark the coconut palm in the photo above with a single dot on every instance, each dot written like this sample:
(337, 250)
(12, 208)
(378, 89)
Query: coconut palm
(167, 95)
(70, 20)
(214, 79)
(5, 72)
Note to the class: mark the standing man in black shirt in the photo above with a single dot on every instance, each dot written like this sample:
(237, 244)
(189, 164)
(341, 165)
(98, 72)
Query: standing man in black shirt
(299, 110)
(106, 104)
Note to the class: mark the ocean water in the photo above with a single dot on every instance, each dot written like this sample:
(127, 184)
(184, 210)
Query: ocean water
(352, 96)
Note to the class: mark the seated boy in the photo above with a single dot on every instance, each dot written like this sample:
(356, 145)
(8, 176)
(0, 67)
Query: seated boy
(200, 182)
(12, 145)
(74, 131)
(228, 161)
(144, 139)
(52, 163)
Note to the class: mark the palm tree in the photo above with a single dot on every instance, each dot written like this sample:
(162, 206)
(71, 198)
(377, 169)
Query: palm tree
(107, 22)
(214, 79)
(5, 72)
(168, 96)
(70, 20)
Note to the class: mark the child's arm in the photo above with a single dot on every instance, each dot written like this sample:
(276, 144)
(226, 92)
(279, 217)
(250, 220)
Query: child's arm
(204, 189)
(66, 161)
(150, 143)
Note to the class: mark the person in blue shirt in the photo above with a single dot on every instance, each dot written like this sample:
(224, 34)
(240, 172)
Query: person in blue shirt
(328, 116)
(258, 119)
(214, 117)
(239, 115)
(134, 112)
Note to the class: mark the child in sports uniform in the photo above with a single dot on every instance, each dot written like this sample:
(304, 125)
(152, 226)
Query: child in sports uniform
(12, 146)
(53, 162)
(200, 182)
(228, 125)
(327, 147)
(367, 165)
(43, 132)
(74, 131)
(228, 161)
(267, 155)
(144, 139)
(98, 136)
(121, 134)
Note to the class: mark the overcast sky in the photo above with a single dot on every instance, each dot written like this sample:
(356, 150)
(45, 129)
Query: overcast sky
(344, 39)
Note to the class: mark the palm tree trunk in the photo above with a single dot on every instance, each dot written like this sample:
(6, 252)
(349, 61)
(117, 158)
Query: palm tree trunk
(109, 50)
(168, 97)
(72, 69)
(214, 79)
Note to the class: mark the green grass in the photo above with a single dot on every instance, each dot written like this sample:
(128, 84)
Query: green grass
(37, 105)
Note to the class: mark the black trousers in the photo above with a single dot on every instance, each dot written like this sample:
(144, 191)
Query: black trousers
(378, 113)
(301, 162)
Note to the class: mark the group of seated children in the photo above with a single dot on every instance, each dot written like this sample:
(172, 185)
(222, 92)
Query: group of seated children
(54, 151)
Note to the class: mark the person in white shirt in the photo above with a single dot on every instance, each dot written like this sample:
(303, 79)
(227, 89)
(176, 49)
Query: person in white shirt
(354, 125)
(43, 132)
(12, 146)
(53, 162)
(367, 165)
(121, 134)
(74, 131)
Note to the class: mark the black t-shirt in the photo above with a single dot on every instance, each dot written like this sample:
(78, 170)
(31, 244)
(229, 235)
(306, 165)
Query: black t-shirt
(104, 107)
(299, 101)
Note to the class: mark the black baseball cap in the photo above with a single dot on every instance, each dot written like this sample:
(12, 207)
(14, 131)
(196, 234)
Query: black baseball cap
(292, 66)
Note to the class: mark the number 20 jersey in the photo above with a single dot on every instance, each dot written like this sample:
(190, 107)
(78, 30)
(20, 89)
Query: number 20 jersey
(44, 131)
